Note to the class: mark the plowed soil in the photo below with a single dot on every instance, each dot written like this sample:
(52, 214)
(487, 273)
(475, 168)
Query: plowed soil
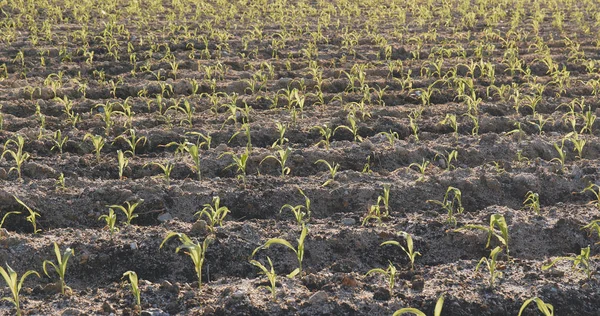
(233, 77)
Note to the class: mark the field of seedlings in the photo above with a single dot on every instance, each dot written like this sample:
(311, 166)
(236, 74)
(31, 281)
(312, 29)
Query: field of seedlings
(310, 157)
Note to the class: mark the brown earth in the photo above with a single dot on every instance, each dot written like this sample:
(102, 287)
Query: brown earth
(339, 251)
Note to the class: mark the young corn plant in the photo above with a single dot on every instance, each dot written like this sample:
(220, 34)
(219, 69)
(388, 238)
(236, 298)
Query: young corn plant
(299, 250)
(122, 162)
(98, 142)
(240, 162)
(111, 221)
(18, 155)
(282, 139)
(391, 137)
(333, 169)
(390, 273)
(59, 141)
(492, 265)
(546, 308)
(595, 189)
(132, 140)
(301, 212)
(196, 251)
(32, 215)
(581, 262)
(375, 213)
(496, 221)
(133, 283)
(282, 158)
(421, 167)
(215, 213)
(409, 249)
(128, 210)
(447, 159)
(325, 132)
(452, 203)
(166, 168)
(532, 202)
(562, 155)
(60, 267)
(385, 199)
(15, 285)
(436, 312)
(352, 128)
(269, 273)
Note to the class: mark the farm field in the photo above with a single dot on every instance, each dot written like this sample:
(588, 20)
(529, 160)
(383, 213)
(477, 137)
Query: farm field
(275, 157)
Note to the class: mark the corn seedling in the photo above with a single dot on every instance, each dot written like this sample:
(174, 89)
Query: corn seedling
(391, 137)
(595, 189)
(333, 169)
(132, 141)
(390, 273)
(15, 285)
(421, 168)
(59, 141)
(436, 312)
(32, 215)
(581, 262)
(561, 153)
(409, 249)
(282, 158)
(452, 203)
(492, 265)
(447, 159)
(269, 273)
(496, 221)
(375, 213)
(196, 251)
(215, 213)
(578, 143)
(18, 155)
(111, 221)
(385, 199)
(300, 211)
(122, 163)
(282, 139)
(60, 267)
(299, 251)
(166, 168)
(240, 162)
(13, 212)
(353, 128)
(325, 132)
(98, 142)
(546, 308)
(133, 283)
(532, 202)
(450, 120)
(128, 211)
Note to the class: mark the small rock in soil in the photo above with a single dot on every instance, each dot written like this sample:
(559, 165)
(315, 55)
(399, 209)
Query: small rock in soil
(38, 171)
(167, 286)
(349, 281)
(199, 227)
(348, 221)
(238, 295)
(3, 174)
(107, 308)
(165, 217)
(382, 294)
(72, 312)
(154, 312)
(418, 283)
(318, 298)
(52, 288)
